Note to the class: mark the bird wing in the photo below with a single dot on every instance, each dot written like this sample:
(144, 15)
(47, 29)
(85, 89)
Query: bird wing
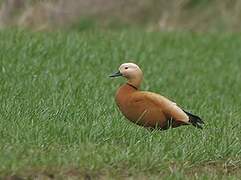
(169, 108)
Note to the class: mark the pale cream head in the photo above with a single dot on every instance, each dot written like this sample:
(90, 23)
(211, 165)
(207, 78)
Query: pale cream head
(132, 73)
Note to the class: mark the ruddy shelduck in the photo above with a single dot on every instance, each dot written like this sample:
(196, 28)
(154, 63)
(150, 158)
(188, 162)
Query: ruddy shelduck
(146, 108)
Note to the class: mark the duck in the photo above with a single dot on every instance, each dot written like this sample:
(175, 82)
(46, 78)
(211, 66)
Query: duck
(149, 109)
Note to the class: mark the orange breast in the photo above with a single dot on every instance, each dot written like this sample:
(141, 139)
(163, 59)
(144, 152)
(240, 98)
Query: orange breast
(139, 112)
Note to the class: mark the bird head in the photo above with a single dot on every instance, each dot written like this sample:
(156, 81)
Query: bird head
(131, 72)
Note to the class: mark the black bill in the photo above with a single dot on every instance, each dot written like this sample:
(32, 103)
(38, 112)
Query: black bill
(116, 74)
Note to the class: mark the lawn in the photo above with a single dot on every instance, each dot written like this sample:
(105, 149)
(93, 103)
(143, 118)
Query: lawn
(59, 119)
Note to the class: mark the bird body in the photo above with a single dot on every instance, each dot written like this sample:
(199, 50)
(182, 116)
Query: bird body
(146, 108)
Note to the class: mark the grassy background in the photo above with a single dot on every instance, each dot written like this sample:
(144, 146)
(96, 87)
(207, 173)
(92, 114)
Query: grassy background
(58, 114)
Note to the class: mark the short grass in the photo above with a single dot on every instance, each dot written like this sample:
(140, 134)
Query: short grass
(58, 117)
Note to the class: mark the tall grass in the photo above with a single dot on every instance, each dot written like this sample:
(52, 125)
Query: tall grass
(58, 112)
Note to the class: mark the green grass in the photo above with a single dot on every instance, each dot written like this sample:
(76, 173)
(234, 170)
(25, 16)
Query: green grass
(58, 113)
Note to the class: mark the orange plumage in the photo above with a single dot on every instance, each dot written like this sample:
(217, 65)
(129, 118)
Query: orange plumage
(146, 108)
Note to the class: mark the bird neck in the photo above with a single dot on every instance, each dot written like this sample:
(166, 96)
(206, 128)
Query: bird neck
(135, 82)
(132, 86)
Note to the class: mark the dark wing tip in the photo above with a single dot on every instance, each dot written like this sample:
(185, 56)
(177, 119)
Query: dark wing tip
(195, 120)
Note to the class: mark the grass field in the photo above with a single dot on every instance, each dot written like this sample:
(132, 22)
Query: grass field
(59, 119)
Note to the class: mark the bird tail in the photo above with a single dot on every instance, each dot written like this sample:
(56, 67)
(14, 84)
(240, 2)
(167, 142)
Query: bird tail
(195, 120)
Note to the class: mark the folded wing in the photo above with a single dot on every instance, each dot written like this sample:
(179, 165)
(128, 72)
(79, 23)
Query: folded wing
(169, 108)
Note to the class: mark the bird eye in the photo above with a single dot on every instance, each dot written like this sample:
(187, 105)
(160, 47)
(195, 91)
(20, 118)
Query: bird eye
(126, 67)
